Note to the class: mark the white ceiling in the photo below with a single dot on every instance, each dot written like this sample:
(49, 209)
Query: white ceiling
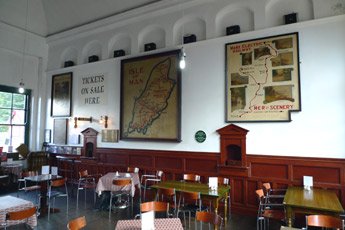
(48, 17)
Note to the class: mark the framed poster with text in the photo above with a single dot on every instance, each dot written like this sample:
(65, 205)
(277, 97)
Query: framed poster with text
(61, 99)
(151, 98)
(262, 79)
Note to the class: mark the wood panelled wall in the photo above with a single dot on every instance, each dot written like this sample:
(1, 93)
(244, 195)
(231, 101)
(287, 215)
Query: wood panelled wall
(280, 171)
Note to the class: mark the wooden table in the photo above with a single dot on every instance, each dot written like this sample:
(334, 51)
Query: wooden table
(160, 224)
(313, 201)
(43, 180)
(205, 192)
(10, 204)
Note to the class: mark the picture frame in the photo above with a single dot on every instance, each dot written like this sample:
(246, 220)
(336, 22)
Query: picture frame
(61, 95)
(151, 97)
(263, 79)
(60, 131)
(47, 135)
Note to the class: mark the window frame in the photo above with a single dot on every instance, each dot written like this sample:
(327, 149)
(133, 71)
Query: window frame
(27, 110)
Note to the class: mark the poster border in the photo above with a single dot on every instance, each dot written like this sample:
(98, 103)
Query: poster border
(296, 34)
(124, 62)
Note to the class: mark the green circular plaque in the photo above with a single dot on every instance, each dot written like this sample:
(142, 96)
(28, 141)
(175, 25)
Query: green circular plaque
(200, 136)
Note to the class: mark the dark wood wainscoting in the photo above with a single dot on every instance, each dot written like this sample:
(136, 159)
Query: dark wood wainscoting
(279, 171)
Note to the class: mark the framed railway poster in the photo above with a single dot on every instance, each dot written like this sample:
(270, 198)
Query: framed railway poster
(151, 97)
(262, 79)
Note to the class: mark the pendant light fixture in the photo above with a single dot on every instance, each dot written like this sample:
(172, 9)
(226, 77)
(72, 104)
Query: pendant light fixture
(21, 83)
(183, 53)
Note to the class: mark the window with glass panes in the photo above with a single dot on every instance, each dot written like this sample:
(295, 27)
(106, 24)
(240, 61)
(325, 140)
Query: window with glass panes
(14, 117)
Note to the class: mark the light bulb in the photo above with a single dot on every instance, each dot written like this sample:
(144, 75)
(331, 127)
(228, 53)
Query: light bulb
(182, 63)
(21, 87)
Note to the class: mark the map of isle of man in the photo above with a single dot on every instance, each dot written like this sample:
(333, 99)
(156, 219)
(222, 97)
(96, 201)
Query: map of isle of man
(150, 99)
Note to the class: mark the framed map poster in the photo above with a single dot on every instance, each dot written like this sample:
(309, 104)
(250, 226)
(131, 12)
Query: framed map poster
(61, 95)
(151, 97)
(262, 79)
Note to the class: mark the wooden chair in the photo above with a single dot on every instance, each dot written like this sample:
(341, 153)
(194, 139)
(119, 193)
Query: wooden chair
(23, 186)
(133, 170)
(115, 192)
(147, 180)
(156, 206)
(86, 181)
(191, 178)
(188, 202)
(167, 195)
(57, 189)
(24, 214)
(273, 193)
(210, 218)
(324, 221)
(77, 223)
(267, 211)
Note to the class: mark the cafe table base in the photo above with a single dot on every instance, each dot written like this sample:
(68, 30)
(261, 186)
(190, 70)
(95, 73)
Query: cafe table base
(160, 224)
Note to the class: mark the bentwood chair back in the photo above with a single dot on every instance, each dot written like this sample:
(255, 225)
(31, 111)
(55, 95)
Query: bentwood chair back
(324, 221)
(24, 214)
(210, 218)
(77, 223)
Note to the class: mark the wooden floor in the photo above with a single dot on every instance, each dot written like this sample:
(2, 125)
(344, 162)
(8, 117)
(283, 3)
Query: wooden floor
(99, 219)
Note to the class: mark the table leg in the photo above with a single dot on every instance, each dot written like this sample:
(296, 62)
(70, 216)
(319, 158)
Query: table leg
(43, 198)
(289, 216)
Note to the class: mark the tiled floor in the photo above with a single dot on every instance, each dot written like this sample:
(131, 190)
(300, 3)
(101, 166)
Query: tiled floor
(97, 219)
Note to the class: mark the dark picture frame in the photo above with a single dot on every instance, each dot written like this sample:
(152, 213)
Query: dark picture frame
(151, 97)
(60, 131)
(61, 95)
(263, 79)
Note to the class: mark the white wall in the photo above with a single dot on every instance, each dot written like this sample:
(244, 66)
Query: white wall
(29, 65)
(317, 131)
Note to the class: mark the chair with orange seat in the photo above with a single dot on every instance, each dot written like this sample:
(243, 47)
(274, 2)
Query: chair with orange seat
(24, 214)
(188, 202)
(26, 187)
(57, 189)
(86, 181)
(209, 218)
(133, 170)
(167, 195)
(77, 223)
(324, 221)
(156, 206)
(267, 211)
(189, 177)
(125, 190)
(147, 180)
